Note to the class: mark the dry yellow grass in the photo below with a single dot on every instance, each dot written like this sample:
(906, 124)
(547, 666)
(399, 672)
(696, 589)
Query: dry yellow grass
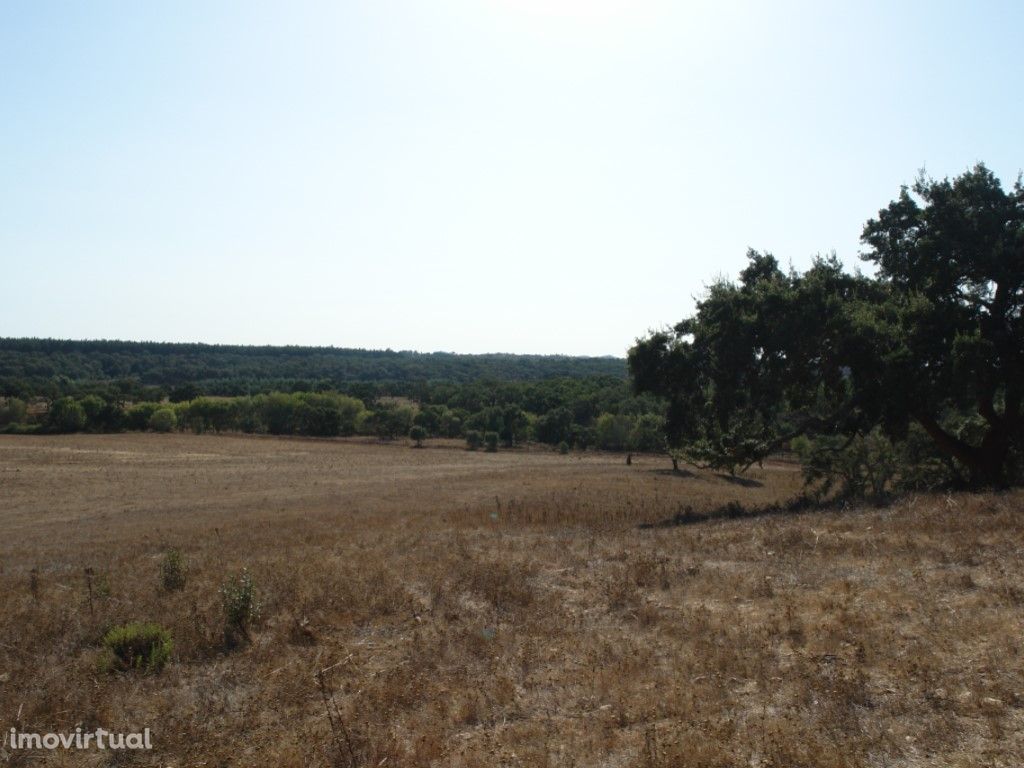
(473, 609)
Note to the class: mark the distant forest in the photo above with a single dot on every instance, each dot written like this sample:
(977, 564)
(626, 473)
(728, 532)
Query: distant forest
(108, 386)
(46, 366)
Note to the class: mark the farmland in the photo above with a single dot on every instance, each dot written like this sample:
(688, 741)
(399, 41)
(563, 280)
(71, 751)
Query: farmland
(439, 606)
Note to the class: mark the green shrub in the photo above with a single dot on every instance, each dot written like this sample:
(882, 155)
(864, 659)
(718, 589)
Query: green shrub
(563, 447)
(173, 571)
(474, 439)
(862, 467)
(163, 420)
(491, 441)
(145, 647)
(241, 607)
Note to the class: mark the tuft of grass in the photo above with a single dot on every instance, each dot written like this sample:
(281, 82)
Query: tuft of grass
(173, 571)
(144, 647)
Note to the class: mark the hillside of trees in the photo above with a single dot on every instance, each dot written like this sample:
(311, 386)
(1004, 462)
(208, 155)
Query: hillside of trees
(108, 386)
(54, 367)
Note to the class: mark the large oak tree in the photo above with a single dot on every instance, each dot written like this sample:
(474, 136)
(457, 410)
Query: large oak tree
(936, 332)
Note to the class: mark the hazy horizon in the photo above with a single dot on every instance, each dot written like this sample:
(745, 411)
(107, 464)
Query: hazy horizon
(308, 346)
(504, 176)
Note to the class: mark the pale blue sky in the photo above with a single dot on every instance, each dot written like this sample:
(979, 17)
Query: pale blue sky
(464, 175)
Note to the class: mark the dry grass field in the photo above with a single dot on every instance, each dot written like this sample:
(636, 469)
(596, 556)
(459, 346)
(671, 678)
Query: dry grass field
(438, 607)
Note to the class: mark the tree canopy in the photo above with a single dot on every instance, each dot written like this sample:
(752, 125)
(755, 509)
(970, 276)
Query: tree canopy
(933, 340)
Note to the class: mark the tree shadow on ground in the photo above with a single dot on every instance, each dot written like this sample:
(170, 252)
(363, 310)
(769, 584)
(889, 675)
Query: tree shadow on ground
(672, 472)
(746, 482)
(734, 510)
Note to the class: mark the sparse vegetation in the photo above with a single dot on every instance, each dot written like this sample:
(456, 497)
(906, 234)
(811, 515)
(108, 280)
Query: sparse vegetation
(465, 608)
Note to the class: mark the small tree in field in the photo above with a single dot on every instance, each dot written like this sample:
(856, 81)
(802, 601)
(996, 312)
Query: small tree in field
(418, 434)
(474, 440)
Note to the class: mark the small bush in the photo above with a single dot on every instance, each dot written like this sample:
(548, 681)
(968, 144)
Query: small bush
(173, 570)
(474, 440)
(563, 448)
(491, 441)
(144, 647)
(241, 608)
(163, 420)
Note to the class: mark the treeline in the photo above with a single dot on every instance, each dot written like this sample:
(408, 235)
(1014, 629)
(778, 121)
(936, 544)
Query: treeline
(599, 412)
(55, 368)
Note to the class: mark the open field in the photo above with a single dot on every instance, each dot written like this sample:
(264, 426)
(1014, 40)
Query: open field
(507, 609)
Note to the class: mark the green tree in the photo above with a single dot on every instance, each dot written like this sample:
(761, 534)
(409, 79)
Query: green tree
(13, 411)
(430, 418)
(66, 415)
(648, 434)
(317, 415)
(514, 425)
(418, 434)
(555, 426)
(93, 406)
(279, 413)
(491, 441)
(936, 333)
(163, 420)
(393, 420)
(613, 431)
(137, 416)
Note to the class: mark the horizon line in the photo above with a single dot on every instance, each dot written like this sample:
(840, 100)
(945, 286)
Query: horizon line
(387, 350)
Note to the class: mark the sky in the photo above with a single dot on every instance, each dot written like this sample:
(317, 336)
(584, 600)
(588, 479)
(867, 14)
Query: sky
(528, 176)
